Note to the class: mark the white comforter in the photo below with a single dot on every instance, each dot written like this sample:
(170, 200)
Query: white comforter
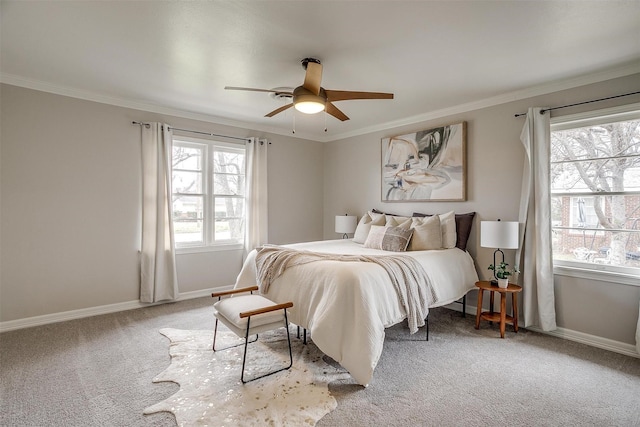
(347, 305)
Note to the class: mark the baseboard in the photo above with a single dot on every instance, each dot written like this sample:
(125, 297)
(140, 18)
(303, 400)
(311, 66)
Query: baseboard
(568, 334)
(46, 319)
(571, 335)
(592, 340)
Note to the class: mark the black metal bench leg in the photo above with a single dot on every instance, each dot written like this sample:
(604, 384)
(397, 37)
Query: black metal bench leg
(464, 306)
(426, 321)
(246, 342)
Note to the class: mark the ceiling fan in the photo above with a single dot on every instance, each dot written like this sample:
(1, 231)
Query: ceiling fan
(311, 98)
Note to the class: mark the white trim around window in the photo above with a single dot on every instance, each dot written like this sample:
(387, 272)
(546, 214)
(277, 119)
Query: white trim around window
(197, 183)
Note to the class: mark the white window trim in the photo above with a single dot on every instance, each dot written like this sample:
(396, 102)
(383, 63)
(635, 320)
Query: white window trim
(211, 248)
(594, 272)
(599, 272)
(209, 245)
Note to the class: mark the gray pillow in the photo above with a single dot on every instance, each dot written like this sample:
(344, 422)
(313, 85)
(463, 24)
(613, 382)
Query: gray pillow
(393, 239)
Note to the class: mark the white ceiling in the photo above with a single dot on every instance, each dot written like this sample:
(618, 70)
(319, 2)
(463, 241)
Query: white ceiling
(437, 57)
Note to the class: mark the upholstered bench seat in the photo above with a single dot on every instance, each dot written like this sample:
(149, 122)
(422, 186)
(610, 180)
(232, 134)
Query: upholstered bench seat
(247, 315)
(230, 309)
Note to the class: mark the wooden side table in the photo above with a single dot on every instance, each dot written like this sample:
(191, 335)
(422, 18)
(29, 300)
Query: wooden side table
(500, 316)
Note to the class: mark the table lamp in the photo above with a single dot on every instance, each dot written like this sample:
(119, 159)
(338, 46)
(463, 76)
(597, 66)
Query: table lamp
(345, 224)
(500, 235)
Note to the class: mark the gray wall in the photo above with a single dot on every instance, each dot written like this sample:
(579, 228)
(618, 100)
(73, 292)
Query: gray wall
(494, 169)
(70, 203)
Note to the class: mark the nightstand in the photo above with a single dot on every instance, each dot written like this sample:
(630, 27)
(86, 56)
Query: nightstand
(500, 316)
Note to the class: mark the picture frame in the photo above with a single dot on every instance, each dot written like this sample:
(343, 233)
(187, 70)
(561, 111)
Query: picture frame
(425, 166)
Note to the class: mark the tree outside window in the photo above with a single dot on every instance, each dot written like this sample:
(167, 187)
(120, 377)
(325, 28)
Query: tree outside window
(595, 187)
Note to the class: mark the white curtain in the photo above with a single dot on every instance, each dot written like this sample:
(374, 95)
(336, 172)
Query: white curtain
(534, 252)
(257, 197)
(158, 278)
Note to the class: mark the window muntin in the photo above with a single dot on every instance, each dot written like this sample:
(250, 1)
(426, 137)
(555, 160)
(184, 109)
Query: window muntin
(595, 191)
(208, 193)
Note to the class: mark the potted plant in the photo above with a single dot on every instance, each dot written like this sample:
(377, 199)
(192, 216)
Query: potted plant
(502, 273)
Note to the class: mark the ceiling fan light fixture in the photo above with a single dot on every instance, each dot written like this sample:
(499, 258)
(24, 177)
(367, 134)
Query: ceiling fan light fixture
(309, 104)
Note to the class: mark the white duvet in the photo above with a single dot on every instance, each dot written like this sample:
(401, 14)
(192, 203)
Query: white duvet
(347, 305)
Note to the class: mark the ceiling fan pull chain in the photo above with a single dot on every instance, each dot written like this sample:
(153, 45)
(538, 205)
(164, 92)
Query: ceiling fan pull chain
(325, 120)
(294, 122)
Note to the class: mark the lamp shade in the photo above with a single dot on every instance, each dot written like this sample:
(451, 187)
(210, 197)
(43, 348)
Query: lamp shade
(309, 107)
(308, 102)
(345, 224)
(499, 234)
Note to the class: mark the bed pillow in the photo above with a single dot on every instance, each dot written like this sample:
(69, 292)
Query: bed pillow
(393, 239)
(363, 227)
(377, 211)
(448, 228)
(463, 228)
(427, 234)
(399, 221)
(464, 222)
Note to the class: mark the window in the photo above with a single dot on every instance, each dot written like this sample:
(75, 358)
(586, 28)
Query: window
(208, 193)
(595, 192)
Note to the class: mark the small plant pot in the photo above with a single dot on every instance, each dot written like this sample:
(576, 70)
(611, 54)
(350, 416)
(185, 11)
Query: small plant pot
(503, 283)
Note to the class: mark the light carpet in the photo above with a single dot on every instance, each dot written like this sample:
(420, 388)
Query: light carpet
(211, 392)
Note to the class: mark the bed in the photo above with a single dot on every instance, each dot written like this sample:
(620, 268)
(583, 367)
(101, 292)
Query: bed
(347, 305)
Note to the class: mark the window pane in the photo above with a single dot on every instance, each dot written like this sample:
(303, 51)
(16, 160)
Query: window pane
(228, 161)
(188, 219)
(189, 158)
(229, 219)
(595, 234)
(231, 185)
(187, 182)
(602, 247)
(230, 229)
(595, 175)
(580, 147)
(229, 207)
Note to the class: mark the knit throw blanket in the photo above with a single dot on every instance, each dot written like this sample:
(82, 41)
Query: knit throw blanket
(407, 276)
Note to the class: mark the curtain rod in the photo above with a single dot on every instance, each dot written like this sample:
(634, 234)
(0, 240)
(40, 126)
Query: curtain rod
(582, 103)
(194, 131)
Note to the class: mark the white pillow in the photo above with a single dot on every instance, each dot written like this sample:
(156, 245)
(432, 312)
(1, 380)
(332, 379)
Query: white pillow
(427, 234)
(399, 221)
(367, 220)
(448, 228)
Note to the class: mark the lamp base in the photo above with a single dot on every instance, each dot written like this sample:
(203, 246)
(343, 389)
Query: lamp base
(345, 236)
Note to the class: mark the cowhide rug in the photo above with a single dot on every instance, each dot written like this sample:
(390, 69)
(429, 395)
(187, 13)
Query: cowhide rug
(211, 392)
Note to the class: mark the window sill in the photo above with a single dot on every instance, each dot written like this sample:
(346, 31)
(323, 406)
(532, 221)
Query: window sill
(216, 248)
(600, 275)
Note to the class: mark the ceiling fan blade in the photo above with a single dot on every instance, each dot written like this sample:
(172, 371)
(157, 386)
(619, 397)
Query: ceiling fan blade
(258, 90)
(343, 95)
(335, 112)
(279, 110)
(313, 77)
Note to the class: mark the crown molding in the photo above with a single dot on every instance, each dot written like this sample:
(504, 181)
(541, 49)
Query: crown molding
(544, 89)
(556, 86)
(19, 81)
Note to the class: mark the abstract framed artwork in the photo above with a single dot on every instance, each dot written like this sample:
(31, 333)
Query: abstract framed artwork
(428, 165)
